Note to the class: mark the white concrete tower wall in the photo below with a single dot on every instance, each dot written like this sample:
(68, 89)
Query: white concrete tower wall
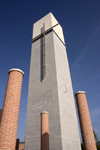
(53, 93)
(68, 119)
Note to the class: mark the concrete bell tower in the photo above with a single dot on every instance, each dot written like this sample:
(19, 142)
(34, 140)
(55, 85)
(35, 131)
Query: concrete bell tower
(50, 89)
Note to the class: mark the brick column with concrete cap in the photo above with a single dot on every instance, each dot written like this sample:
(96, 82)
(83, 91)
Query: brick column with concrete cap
(44, 130)
(85, 121)
(10, 112)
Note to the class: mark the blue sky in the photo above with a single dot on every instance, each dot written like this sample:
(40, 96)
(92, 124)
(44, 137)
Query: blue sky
(80, 21)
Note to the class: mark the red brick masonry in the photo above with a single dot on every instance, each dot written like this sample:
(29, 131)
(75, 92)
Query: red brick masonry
(85, 121)
(21, 146)
(44, 131)
(0, 114)
(10, 113)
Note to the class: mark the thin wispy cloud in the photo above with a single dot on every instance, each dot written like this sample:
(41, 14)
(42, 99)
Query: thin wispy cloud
(95, 112)
(87, 48)
(79, 58)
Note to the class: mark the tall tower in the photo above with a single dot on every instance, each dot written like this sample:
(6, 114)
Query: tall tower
(50, 89)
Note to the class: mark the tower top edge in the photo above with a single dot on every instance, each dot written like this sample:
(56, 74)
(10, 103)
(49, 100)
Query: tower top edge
(50, 22)
(50, 13)
(15, 69)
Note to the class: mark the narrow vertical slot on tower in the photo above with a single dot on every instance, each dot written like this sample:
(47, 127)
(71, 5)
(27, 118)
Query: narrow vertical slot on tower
(41, 58)
(43, 71)
(44, 50)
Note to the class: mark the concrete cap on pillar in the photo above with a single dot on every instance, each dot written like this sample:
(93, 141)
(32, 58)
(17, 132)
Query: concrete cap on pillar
(44, 112)
(15, 69)
(80, 92)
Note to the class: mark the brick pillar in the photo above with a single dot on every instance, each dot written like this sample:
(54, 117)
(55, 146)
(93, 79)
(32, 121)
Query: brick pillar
(44, 131)
(0, 114)
(10, 112)
(85, 121)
